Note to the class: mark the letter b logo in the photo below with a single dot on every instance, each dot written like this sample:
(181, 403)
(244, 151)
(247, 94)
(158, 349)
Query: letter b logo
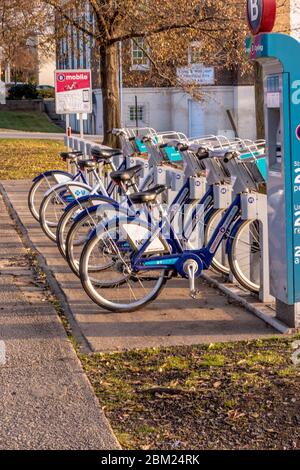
(254, 11)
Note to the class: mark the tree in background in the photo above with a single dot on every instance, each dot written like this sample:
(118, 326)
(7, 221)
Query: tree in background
(167, 29)
(23, 25)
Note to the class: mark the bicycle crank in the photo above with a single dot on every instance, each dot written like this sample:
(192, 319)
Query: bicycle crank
(192, 269)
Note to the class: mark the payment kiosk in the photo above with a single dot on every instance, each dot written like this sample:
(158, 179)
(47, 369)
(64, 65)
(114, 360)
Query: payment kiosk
(279, 56)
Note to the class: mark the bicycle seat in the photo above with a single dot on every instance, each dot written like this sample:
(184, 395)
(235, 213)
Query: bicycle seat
(104, 154)
(71, 155)
(87, 164)
(149, 195)
(122, 176)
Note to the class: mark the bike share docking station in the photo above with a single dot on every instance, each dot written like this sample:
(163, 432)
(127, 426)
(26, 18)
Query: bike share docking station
(279, 56)
(278, 212)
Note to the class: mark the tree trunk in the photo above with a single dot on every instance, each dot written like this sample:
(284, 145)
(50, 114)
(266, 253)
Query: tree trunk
(259, 101)
(110, 93)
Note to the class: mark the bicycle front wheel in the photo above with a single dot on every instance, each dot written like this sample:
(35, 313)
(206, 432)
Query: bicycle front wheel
(53, 206)
(67, 220)
(40, 187)
(220, 260)
(116, 288)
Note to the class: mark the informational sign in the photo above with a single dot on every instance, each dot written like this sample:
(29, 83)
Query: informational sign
(2, 93)
(273, 100)
(261, 15)
(197, 73)
(73, 91)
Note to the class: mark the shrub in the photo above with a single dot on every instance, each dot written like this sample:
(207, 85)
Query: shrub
(26, 91)
(46, 93)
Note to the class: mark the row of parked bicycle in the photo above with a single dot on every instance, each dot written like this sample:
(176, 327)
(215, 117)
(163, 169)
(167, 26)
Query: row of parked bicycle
(162, 207)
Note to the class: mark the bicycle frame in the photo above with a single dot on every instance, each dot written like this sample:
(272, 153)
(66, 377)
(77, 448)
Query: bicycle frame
(175, 260)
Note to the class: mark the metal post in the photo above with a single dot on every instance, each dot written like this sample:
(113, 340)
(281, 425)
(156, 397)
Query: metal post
(121, 82)
(136, 113)
(262, 204)
(69, 168)
(81, 125)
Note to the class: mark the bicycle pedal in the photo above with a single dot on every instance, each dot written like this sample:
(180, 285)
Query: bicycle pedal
(194, 294)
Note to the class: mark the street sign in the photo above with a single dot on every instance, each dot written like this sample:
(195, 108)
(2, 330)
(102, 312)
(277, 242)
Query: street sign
(2, 93)
(73, 91)
(198, 74)
(261, 15)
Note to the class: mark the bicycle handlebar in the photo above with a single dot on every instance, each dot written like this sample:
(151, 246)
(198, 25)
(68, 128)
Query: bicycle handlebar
(202, 153)
(230, 156)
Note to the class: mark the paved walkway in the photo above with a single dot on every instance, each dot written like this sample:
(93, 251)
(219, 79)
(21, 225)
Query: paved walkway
(46, 401)
(173, 319)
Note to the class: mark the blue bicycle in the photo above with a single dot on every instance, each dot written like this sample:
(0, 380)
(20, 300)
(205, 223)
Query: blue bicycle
(127, 261)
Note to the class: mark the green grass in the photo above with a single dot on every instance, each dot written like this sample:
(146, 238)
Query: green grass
(26, 158)
(193, 397)
(29, 121)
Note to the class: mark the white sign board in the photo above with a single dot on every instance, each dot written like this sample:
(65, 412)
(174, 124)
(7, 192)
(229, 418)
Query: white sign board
(198, 74)
(2, 93)
(273, 100)
(73, 91)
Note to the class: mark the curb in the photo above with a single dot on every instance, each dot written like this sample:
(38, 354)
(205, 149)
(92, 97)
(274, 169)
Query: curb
(54, 286)
(236, 296)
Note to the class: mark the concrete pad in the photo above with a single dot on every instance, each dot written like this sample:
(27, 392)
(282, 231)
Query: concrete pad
(46, 400)
(173, 319)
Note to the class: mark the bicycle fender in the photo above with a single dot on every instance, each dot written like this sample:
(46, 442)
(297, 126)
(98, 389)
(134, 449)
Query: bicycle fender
(86, 198)
(232, 234)
(105, 225)
(51, 172)
(93, 209)
(78, 184)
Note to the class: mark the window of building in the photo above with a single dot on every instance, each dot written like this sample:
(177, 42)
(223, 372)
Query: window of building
(136, 113)
(140, 60)
(195, 53)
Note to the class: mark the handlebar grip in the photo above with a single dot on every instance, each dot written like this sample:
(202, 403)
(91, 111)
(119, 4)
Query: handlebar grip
(131, 139)
(163, 146)
(202, 153)
(182, 147)
(229, 156)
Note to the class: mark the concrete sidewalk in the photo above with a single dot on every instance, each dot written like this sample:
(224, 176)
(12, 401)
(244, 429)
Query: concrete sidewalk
(173, 319)
(46, 401)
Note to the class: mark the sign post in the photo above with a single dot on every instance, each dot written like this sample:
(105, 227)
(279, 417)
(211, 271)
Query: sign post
(73, 94)
(2, 93)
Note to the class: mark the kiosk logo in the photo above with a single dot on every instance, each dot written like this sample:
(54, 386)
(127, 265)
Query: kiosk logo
(261, 15)
(254, 10)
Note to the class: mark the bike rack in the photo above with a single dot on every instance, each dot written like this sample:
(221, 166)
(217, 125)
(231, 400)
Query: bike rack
(253, 204)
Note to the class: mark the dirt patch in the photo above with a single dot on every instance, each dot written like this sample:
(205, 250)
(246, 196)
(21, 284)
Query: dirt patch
(243, 395)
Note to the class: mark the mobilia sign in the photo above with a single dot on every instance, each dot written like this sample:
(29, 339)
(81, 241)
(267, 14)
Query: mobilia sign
(261, 15)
